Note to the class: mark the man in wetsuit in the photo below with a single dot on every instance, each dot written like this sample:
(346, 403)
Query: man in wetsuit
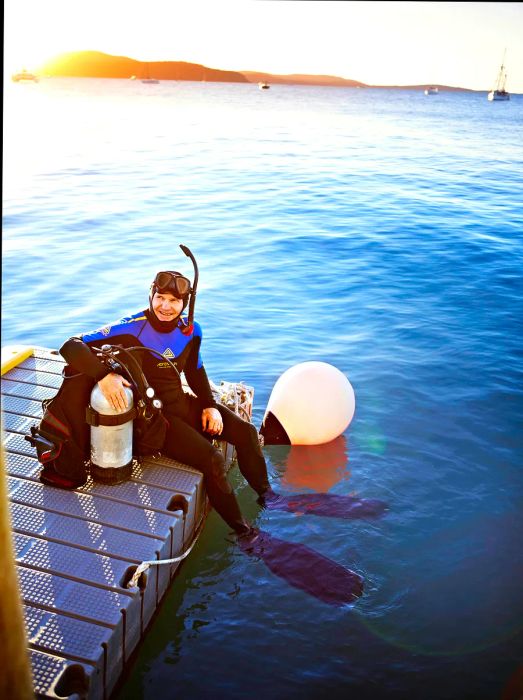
(193, 421)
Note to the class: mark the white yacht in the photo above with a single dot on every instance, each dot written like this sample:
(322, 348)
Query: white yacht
(499, 92)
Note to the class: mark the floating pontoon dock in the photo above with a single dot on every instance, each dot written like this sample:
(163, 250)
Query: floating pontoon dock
(76, 551)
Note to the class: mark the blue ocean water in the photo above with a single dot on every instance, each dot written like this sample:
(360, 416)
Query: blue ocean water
(377, 230)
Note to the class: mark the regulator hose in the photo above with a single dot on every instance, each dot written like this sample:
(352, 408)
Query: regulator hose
(134, 370)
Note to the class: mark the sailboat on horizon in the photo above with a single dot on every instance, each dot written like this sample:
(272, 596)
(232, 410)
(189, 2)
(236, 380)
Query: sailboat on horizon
(147, 78)
(499, 92)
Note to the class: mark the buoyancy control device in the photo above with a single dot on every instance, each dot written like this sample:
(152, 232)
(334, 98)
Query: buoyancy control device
(80, 430)
(61, 438)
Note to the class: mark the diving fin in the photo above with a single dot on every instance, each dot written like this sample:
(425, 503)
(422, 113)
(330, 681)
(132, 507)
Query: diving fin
(304, 568)
(324, 504)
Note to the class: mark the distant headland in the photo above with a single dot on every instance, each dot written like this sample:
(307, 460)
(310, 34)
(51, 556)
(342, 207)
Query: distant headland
(95, 64)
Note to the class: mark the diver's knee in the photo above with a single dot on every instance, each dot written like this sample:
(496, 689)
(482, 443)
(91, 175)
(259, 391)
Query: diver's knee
(247, 434)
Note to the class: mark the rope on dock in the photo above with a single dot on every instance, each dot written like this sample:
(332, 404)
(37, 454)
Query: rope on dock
(142, 568)
(237, 397)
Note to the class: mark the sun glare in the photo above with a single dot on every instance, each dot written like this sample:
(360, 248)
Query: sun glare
(378, 43)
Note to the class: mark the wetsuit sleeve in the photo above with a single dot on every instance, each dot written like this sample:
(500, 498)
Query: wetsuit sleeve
(199, 383)
(77, 352)
(197, 376)
(80, 356)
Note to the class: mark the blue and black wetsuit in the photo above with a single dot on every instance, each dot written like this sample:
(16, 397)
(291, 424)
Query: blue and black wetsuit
(185, 441)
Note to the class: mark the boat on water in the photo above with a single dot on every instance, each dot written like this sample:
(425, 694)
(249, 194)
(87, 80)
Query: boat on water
(499, 92)
(263, 86)
(431, 90)
(24, 76)
(147, 78)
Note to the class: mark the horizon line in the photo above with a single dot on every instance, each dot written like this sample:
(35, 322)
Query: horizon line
(265, 74)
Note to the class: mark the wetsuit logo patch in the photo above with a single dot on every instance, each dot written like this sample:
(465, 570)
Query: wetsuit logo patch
(168, 353)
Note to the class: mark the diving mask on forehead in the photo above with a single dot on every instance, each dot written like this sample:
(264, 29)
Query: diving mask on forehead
(172, 282)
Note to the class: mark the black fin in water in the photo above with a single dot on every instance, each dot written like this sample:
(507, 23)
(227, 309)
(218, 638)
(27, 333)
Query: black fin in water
(304, 568)
(325, 504)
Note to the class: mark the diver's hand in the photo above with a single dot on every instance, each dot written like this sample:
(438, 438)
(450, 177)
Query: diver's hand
(112, 387)
(212, 421)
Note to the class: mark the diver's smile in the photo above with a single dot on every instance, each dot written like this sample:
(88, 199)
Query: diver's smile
(166, 306)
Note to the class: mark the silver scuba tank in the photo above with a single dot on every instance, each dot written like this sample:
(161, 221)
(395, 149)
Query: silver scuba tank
(111, 438)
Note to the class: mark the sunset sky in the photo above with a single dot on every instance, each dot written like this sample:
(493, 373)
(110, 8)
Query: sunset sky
(378, 43)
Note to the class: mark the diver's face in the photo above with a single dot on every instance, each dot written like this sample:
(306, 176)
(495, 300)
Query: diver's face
(166, 306)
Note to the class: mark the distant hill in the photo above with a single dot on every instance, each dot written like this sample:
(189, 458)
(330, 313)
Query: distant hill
(95, 64)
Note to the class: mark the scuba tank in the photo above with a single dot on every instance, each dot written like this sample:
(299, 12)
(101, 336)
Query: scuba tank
(111, 430)
(111, 438)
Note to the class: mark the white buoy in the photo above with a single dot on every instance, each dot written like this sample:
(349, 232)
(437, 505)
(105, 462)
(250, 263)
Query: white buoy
(311, 403)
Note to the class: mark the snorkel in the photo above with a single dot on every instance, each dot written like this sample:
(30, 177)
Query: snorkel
(188, 328)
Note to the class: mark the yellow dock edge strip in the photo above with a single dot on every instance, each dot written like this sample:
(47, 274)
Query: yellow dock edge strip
(13, 355)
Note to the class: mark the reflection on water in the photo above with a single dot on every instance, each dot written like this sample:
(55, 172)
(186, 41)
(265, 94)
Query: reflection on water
(311, 467)
(316, 467)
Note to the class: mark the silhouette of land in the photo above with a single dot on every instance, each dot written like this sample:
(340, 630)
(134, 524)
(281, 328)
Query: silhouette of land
(95, 64)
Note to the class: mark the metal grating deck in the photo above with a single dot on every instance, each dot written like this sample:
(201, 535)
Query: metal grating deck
(74, 549)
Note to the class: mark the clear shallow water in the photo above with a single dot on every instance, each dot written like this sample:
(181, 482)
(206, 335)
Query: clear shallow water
(376, 230)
